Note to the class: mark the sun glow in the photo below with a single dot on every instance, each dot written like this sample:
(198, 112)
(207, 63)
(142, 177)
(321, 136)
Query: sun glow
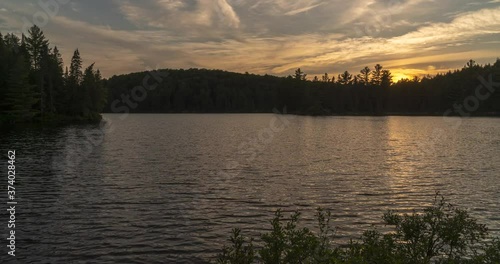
(397, 76)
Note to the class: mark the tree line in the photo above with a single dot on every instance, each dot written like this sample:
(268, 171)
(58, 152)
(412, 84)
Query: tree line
(35, 86)
(371, 92)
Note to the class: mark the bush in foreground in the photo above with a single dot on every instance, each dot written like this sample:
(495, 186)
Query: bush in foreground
(442, 233)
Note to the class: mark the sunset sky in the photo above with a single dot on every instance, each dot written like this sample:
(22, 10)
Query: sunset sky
(409, 37)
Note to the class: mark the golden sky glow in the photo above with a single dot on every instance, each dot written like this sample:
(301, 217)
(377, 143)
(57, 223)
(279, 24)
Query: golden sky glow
(409, 37)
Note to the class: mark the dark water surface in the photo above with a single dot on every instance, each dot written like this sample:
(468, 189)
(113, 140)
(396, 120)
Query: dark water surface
(169, 188)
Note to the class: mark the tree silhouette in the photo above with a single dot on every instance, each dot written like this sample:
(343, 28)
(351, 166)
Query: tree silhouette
(470, 64)
(365, 76)
(34, 87)
(325, 78)
(345, 78)
(33, 82)
(200, 90)
(299, 75)
(386, 79)
(37, 47)
(377, 75)
(20, 97)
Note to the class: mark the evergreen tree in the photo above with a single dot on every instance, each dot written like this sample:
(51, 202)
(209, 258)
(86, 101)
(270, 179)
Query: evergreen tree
(345, 78)
(299, 75)
(94, 94)
(37, 46)
(75, 70)
(29, 68)
(56, 81)
(365, 76)
(197, 90)
(75, 76)
(99, 94)
(325, 78)
(377, 75)
(12, 42)
(470, 64)
(386, 79)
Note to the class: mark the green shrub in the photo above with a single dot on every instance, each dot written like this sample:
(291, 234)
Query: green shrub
(442, 233)
(240, 251)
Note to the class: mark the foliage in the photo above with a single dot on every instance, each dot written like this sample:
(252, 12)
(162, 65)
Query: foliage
(33, 86)
(19, 95)
(371, 92)
(240, 251)
(442, 233)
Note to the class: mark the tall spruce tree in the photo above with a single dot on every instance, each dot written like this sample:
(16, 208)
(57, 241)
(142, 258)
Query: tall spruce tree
(56, 81)
(73, 82)
(365, 76)
(377, 75)
(37, 47)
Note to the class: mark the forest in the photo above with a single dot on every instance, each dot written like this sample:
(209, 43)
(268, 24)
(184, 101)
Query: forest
(467, 91)
(35, 86)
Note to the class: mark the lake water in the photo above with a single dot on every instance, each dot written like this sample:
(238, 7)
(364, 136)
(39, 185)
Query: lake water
(169, 188)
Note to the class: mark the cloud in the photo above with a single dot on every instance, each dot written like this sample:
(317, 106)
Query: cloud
(428, 39)
(284, 7)
(177, 14)
(226, 13)
(485, 21)
(280, 54)
(301, 10)
(382, 13)
(276, 36)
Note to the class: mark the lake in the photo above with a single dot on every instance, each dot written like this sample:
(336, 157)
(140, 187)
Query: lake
(169, 188)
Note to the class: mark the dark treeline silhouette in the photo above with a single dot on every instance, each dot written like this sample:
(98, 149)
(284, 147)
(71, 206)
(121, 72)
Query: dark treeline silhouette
(371, 92)
(35, 87)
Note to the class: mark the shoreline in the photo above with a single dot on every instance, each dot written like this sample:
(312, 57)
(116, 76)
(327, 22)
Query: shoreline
(314, 115)
(51, 121)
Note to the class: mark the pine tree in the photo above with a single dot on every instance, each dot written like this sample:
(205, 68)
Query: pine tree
(46, 81)
(99, 95)
(12, 42)
(300, 75)
(75, 69)
(37, 47)
(470, 64)
(29, 69)
(325, 78)
(386, 79)
(365, 76)
(345, 78)
(88, 90)
(36, 44)
(56, 80)
(377, 75)
(75, 76)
